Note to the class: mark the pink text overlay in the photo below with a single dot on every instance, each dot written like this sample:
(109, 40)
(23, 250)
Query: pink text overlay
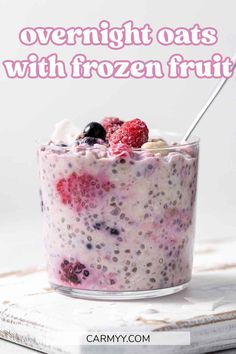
(80, 66)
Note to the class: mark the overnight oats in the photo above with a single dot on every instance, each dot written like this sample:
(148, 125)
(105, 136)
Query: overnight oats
(118, 210)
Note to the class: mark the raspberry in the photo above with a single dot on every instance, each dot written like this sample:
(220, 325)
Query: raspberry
(133, 133)
(61, 187)
(111, 124)
(82, 191)
(121, 150)
(71, 272)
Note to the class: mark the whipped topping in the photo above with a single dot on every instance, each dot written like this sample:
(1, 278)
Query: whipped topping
(65, 132)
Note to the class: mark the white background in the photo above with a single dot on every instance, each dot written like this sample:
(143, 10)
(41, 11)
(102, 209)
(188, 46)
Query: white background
(30, 108)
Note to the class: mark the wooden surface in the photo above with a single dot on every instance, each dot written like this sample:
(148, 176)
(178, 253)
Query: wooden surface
(33, 315)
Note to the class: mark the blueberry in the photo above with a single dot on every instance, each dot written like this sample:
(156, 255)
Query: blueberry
(90, 141)
(95, 130)
(89, 246)
(78, 268)
(73, 278)
(98, 225)
(102, 226)
(86, 272)
(114, 231)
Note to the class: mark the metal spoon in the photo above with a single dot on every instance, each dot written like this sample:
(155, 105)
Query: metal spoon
(208, 103)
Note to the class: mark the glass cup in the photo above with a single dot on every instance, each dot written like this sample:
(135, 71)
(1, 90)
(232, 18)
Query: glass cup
(119, 226)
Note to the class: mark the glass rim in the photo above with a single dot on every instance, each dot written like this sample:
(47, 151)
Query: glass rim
(154, 134)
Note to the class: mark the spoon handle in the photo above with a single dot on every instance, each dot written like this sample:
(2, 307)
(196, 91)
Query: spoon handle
(208, 103)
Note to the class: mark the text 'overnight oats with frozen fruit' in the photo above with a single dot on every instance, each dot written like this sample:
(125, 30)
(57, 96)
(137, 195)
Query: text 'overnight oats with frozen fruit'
(118, 209)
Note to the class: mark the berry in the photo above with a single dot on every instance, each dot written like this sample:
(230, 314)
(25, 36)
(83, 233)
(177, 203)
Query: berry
(91, 141)
(78, 267)
(121, 150)
(73, 278)
(133, 133)
(114, 231)
(86, 272)
(82, 191)
(61, 188)
(103, 226)
(98, 225)
(71, 271)
(89, 246)
(95, 130)
(111, 124)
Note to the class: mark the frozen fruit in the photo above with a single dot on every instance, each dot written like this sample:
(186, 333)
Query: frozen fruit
(102, 226)
(155, 146)
(95, 130)
(89, 246)
(120, 149)
(82, 191)
(78, 267)
(111, 124)
(91, 141)
(133, 133)
(114, 231)
(98, 225)
(62, 189)
(74, 279)
(71, 271)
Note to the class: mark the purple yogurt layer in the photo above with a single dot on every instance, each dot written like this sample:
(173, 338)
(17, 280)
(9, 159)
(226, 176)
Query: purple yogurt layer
(118, 223)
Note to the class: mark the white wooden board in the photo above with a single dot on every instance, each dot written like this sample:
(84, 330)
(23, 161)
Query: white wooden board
(33, 315)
